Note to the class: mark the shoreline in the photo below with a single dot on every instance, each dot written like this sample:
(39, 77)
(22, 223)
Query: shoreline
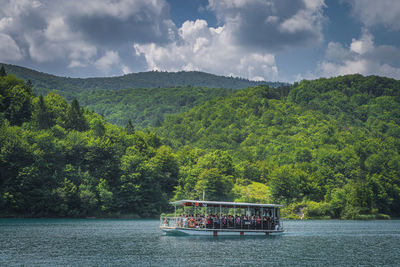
(137, 217)
(112, 216)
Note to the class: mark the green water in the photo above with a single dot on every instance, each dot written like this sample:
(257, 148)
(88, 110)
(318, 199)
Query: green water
(79, 242)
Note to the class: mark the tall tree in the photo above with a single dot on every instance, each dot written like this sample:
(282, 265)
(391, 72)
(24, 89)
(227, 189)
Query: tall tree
(42, 115)
(75, 119)
(2, 71)
(129, 127)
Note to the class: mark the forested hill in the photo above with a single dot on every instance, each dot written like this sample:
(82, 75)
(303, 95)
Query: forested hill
(142, 106)
(43, 82)
(324, 148)
(146, 107)
(328, 147)
(58, 159)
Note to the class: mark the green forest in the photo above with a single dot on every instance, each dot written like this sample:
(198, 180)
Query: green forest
(327, 148)
(146, 107)
(324, 148)
(59, 159)
(143, 98)
(66, 86)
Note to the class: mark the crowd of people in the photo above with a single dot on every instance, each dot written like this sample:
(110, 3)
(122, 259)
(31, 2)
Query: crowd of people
(215, 221)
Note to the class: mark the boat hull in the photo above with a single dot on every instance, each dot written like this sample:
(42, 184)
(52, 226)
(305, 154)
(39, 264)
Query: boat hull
(218, 232)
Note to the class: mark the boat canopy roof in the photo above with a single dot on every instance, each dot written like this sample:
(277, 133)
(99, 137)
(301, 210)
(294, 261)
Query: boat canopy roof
(202, 203)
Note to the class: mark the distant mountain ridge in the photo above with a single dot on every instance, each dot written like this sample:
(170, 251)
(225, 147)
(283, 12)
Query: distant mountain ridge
(44, 82)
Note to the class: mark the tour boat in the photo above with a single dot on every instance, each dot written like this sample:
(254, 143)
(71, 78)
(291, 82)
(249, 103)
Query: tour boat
(215, 218)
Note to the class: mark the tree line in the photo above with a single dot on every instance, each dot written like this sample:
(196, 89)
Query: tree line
(59, 159)
(324, 148)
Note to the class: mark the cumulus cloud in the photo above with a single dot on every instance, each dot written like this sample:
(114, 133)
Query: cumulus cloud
(250, 32)
(205, 48)
(9, 50)
(374, 12)
(113, 22)
(58, 41)
(109, 59)
(362, 56)
(79, 33)
(272, 24)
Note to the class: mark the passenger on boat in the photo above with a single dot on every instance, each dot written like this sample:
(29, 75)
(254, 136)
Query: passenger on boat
(254, 222)
(258, 222)
(264, 222)
(216, 221)
(223, 222)
(238, 222)
(230, 221)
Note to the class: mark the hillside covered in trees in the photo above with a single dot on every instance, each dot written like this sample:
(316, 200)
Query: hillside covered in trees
(148, 106)
(58, 159)
(324, 148)
(328, 147)
(43, 82)
(143, 98)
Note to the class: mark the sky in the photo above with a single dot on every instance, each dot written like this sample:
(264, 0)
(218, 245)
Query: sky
(272, 40)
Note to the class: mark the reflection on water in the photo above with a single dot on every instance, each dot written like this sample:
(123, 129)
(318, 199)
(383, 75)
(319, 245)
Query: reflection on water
(81, 242)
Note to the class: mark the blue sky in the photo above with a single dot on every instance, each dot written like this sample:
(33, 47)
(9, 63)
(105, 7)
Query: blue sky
(274, 40)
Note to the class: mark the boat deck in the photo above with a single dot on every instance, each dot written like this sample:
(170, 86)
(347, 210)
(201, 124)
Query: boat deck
(216, 232)
(223, 218)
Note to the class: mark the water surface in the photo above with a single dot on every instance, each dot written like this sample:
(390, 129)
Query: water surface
(85, 242)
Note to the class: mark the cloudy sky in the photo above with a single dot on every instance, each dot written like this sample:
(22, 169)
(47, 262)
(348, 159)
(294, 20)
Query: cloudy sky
(275, 40)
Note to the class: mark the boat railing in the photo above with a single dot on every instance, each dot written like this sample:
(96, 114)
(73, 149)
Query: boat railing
(202, 222)
(168, 221)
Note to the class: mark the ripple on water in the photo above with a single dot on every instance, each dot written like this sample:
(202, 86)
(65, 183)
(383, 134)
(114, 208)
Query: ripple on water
(63, 242)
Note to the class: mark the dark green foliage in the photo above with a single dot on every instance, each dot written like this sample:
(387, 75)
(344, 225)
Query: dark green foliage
(67, 161)
(42, 116)
(330, 145)
(75, 119)
(15, 100)
(129, 127)
(152, 95)
(148, 106)
(2, 71)
(152, 79)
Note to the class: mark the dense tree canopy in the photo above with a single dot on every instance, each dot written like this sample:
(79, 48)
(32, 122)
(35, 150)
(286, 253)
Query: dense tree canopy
(330, 144)
(328, 147)
(67, 86)
(148, 106)
(58, 159)
(144, 98)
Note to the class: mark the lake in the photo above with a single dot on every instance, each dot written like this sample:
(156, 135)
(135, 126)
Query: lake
(110, 242)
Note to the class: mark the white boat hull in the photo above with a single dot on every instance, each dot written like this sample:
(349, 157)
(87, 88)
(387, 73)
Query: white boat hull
(218, 232)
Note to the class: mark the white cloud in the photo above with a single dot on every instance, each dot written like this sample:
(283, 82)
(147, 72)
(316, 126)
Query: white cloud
(76, 64)
(364, 45)
(362, 56)
(336, 52)
(16, 8)
(244, 45)
(271, 25)
(58, 41)
(377, 12)
(109, 59)
(308, 19)
(126, 69)
(120, 8)
(94, 34)
(9, 50)
(208, 49)
(74, 32)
